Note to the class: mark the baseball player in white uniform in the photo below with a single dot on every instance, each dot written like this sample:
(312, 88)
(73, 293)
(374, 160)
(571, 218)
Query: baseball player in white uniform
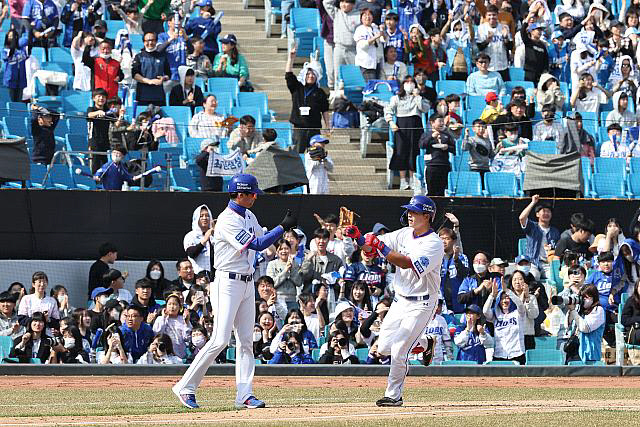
(417, 253)
(237, 238)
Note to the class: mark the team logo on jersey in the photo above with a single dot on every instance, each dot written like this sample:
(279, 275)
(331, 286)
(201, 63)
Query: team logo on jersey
(243, 237)
(421, 263)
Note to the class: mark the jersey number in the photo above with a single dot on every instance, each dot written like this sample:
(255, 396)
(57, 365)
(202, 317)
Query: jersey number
(243, 237)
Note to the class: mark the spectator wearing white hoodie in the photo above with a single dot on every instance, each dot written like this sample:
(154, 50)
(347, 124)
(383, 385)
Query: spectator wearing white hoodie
(198, 243)
(620, 113)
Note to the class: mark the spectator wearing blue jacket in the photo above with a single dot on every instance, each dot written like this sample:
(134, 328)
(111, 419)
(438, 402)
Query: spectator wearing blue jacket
(472, 339)
(455, 268)
(609, 297)
(207, 27)
(77, 18)
(558, 52)
(476, 288)
(291, 351)
(14, 57)
(114, 173)
(541, 236)
(136, 334)
(43, 17)
(174, 44)
(589, 324)
(150, 68)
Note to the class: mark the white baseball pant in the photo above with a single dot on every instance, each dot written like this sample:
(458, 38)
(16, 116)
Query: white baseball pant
(235, 309)
(402, 327)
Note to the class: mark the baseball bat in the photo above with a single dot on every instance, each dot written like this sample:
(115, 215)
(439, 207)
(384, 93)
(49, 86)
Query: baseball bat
(149, 172)
(83, 173)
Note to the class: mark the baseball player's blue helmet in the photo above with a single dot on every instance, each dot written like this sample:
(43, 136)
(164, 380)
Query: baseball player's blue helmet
(244, 183)
(419, 204)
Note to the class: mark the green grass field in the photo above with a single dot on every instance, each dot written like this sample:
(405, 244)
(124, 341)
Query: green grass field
(341, 403)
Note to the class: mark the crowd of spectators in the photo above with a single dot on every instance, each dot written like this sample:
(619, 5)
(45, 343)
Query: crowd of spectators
(321, 300)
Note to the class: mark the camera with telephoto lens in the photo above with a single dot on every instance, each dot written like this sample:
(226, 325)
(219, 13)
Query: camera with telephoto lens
(342, 342)
(291, 346)
(162, 347)
(562, 301)
(317, 153)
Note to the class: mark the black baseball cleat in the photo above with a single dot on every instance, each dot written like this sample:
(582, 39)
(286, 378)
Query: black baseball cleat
(427, 355)
(388, 401)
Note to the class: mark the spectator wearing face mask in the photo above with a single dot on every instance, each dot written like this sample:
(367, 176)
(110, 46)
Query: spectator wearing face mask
(291, 351)
(187, 93)
(150, 69)
(61, 295)
(475, 289)
(589, 324)
(155, 276)
(114, 174)
(548, 129)
(105, 71)
(73, 350)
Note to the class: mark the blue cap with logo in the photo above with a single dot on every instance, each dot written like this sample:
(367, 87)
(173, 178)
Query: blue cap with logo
(421, 204)
(244, 183)
(521, 258)
(318, 138)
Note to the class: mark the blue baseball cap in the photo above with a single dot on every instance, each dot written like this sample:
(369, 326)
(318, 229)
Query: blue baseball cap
(244, 183)
(318, 138)
(557, 34)
(100, 291)
(536, 26)
(521, 258)
(473, 308)
(229, 39)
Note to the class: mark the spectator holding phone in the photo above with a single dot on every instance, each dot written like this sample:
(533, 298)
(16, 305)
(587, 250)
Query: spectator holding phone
(9, 325)
(308, 306)
(73, 350)
(294, 323)
(291, 350)
(160, 352)
(506, 311)
(370, 326)
(198, 243)
(589, 323)
(338, 351)
(473, 340)
(269, 331)
(35, 343)
(113, 350)
(175, 323)
(519, 284)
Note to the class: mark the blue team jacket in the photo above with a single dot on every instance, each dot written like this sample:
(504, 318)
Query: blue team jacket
(15, 73)
(205, 29)
(113, 175)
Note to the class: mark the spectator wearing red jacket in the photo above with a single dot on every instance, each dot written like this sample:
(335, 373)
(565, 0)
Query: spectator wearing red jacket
(105, 71)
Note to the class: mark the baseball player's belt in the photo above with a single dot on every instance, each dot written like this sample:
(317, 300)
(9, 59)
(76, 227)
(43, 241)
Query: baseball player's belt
(236, 276)
(415, 298)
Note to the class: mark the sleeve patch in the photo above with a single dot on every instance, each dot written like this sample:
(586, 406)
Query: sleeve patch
(243, 237)
(420, 264)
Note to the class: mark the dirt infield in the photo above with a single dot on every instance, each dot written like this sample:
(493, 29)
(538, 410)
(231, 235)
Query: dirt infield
(317, 382)
(294, 409)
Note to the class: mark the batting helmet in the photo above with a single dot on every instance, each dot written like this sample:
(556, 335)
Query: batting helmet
(419, 204)
(244, 183)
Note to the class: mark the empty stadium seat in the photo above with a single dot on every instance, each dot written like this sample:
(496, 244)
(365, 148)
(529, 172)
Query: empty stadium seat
(522, 246)
(475, 102)
(284, 131)
(362, 354)
(610, 165)
(607, 185)
(304, 24)
(516, 74)
(81, 181)
(60, 177)
(460, 163)
(38, 172)
(524, 83)
(447, 87)
(543, 147)
(500, 184)
(353, 82)
(464, 184)
(216, 85)
(6, 344)
(75, 101)
(550, 342)
(633, 184)
(257, 100)
(181, 180)
(548, 357)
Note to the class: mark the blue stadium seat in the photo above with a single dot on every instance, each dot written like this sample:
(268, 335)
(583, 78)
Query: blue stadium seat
(271, 10)
(610, 165)
(420, 168)
(62, 67)
(304, 23)
(353, 82)
(607, 185)
(284, 131)
(4, 95)
(182, 180)
(634, 165)
(476, 102)
(75, 101)
(318, 45)
(460, 163)
(223, 84)
(77, 142)
(181, 116)
(136, 41)
(60, 177)
(362, 354)
(83, 182)
(113, 26)
(60, 54)
(471, 115)
(77, 125)
(38, 171)
(585, 165)
(6, 344)
(251, 111)
(549, 342)
(191, 149)
(500, 184)
(633, 183)
(522, 246)
(38, 53)
(226, 101)
(447, 87)
(546, 357)
(516, 74)
(543, 147)
(464, 184)
(257, 100)
(18, 126)
(19, 109)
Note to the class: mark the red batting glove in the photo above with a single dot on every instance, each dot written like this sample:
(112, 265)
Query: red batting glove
(372, 240)
(353, 232)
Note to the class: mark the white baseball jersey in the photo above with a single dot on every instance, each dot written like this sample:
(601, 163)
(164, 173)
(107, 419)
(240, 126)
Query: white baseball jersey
(231, 239)
(426, 253)
(496, 49)
(439, 330)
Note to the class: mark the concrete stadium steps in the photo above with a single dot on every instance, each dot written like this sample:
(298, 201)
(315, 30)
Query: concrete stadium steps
(267, 58)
